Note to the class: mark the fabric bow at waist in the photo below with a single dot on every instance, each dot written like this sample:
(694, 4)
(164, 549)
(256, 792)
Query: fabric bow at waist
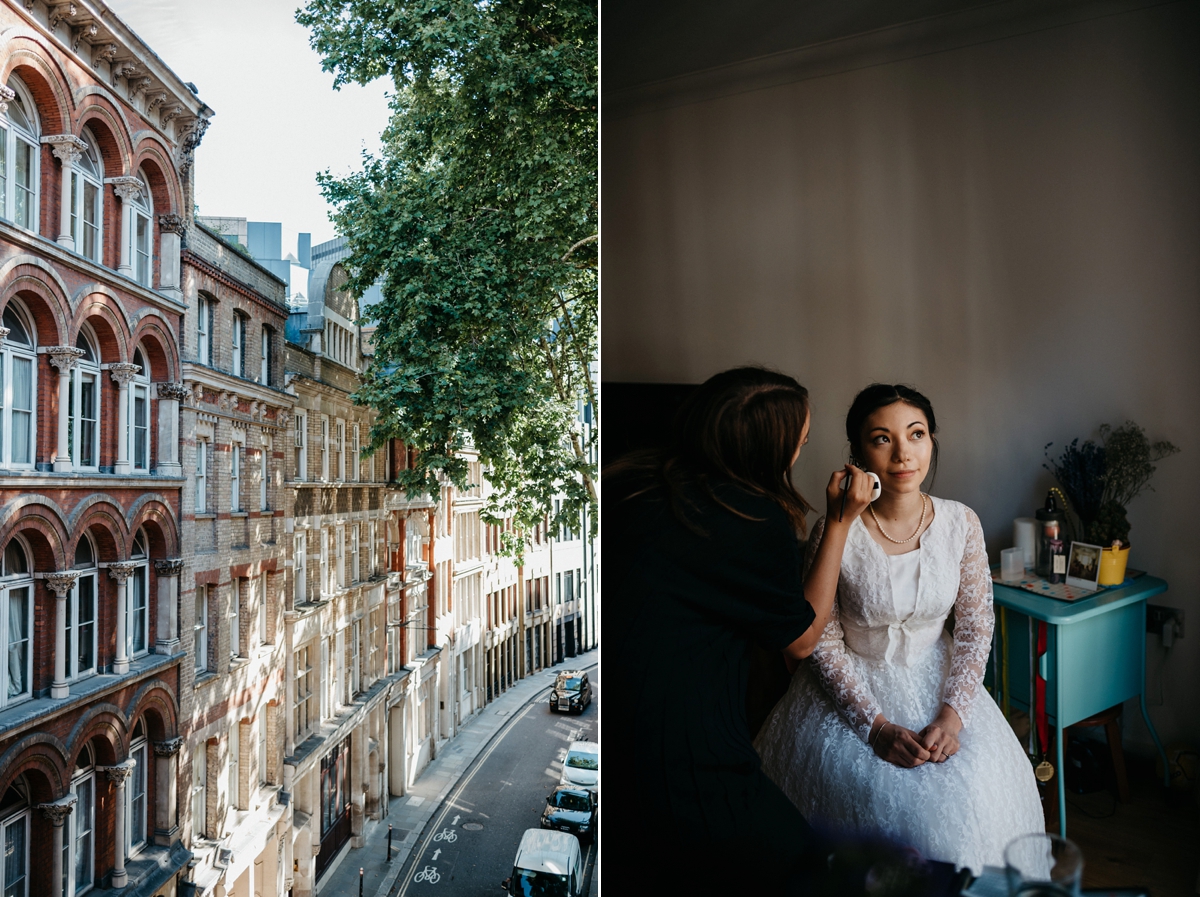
(899, 642)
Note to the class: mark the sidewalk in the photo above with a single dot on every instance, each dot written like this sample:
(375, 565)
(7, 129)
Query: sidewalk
(408, 815)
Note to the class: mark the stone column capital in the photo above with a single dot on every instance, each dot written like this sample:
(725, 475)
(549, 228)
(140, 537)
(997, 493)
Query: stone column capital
(60, 583)
(168, 748)
(64, 357)
(3, 335)
(120, 772)
(177, 391)
(168, 566)
(7, 94)
(58, 811)
(67, 147)
(123, 372)
(125, 186)
(171, 224)
(121, 570)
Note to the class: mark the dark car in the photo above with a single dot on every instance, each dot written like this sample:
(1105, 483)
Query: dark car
(572, 691)
(573, 810)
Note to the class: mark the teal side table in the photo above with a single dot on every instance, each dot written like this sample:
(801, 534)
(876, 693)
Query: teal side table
(1095, 657)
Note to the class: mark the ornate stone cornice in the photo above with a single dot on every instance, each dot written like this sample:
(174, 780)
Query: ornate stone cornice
(60, 12)
(67, 147)
(170, 113)
(127, 68)
(137, 85)
(168, 566)
(177, 391)
(106, 53)
(172, 224)
(189, 136)
(121, 570)
(64, 357)
(6, 96)
(123, 372)
(84, 32)
(58, 811)
(125, 186)
(61, 583)
(168, 748)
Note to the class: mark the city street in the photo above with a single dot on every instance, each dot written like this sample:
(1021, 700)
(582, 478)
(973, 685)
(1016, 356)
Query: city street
(470, 843)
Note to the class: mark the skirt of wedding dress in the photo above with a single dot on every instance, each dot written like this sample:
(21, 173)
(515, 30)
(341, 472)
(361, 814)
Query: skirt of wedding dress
(962, 811)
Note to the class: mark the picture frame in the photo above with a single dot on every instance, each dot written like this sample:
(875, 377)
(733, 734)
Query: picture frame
(1083, 566)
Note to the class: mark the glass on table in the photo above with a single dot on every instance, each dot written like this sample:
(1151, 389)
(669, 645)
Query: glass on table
(1012, 564)
(1043, 865)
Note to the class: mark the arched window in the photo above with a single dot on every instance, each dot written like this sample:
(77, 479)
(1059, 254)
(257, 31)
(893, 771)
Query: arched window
(16, 622)
(84, 402)
(79, 848)
(135, 793)
(87, 197)
(19, 157)
(141, 233)
(81, 613)
(14, 836)
(137, 627)
(139, 415)
(18, 386)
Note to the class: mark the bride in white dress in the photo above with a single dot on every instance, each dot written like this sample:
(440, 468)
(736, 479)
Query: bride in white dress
(887, 727)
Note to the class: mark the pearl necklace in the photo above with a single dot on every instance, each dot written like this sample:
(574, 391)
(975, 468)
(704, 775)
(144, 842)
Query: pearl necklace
(924, 505)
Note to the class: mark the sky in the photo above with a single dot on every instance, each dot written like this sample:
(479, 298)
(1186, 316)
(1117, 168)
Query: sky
(278, 121)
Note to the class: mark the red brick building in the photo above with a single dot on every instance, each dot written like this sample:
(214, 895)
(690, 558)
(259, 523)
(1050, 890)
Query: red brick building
(96, 143)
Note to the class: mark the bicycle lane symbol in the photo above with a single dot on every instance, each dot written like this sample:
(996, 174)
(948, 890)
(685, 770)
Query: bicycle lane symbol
(429, 874)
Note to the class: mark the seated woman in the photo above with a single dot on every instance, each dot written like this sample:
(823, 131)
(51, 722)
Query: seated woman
(887, 726)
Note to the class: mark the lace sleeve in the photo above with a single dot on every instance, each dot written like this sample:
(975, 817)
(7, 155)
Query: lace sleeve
(974, 620)
(832, 664)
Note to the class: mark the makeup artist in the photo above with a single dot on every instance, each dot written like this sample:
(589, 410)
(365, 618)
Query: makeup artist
(703, 559)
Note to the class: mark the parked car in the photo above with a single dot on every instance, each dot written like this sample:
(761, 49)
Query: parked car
(571, 809)
(572, 691)
(581, 767)
(548, 864)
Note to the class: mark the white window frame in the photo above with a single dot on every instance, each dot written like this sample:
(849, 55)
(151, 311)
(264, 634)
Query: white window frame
(8, 584)
(326, 584)
(261, 592)
(204, 322)
(10, 354)
(340, 548)
(75, 604)
(138, 752)
(300, 568)
(325, 448)
(139, 388)
(201, 629)
(264, 478)
(234, 765)
(300, 442)
(260, 728)
(81, 178)
(81, 827)
(200, 790)
(237, 366)
(85, 375)
(235, 477)
(12, 136)
(264, 374)
(355, 659)
(356, 456)
(21, 817)
(202, 476)
(325, 678)
(140, 574)
(355, 570)
(303, 720)
(372, 565)
(141, 234)
(235, 617)
(341, 450)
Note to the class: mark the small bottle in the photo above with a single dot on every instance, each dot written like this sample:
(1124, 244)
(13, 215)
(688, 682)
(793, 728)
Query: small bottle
(1050, 518)
(1058, 561)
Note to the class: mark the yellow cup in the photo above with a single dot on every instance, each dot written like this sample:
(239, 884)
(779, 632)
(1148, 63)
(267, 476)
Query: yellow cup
(1112, 566)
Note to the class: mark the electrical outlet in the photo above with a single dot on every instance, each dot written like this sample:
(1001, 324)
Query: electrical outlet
(1167, 622)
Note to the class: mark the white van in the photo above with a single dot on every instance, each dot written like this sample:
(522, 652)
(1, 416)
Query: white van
(548, 864)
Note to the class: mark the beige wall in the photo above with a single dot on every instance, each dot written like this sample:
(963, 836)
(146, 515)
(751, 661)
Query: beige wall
(1012, 226)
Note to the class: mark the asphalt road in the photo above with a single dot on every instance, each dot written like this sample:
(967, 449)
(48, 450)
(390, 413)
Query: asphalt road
(470, 843)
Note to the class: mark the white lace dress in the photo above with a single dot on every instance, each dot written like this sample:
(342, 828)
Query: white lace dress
(885, 651)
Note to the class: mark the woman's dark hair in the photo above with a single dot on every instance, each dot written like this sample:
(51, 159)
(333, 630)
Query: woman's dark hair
(743, 426)
(880, 395)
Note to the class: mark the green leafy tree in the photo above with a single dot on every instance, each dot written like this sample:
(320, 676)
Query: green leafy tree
(479, 222)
